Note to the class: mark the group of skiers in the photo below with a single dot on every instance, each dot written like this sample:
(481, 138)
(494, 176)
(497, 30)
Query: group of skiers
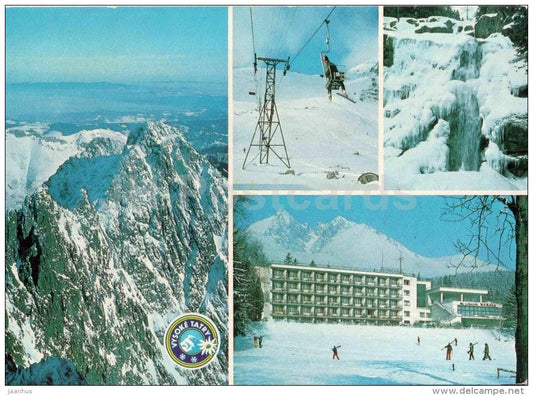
(486, 352)
(258, 341)
(470, 351)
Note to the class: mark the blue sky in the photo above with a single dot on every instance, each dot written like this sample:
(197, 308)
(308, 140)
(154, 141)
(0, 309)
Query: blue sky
(281, 32)
(415, 221)
(124, 44)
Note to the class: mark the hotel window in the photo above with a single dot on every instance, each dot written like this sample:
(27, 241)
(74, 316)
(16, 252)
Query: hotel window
(345, 301)
(406, 282)
(333, 311)
(406, 314)
(278, 310)
(306, 310)
(320, 300)
(406, 303)
(473, 310)
(320, 311)
(406, 293)
(278, 285)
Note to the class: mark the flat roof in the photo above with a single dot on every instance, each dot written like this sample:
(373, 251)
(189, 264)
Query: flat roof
(345, 271)
(458, 290)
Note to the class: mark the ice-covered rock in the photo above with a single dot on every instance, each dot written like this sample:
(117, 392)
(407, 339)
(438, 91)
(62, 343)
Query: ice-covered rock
(477, 86)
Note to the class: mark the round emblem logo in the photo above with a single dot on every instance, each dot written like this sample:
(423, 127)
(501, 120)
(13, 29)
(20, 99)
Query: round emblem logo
(192, 340)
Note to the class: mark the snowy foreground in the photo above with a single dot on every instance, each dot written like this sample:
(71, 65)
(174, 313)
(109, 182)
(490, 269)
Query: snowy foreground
(300, 354)
(322, 137)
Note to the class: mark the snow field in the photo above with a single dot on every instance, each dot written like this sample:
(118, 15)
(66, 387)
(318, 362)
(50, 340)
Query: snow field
(300, 354)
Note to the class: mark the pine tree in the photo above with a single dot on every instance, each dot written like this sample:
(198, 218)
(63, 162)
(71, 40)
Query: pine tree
(248, 297)
(288, 259)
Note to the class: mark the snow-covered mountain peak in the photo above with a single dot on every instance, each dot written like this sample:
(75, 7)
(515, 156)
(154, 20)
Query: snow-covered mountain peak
(334, 227)
(153, 133)
(283, 218)
(367, 69)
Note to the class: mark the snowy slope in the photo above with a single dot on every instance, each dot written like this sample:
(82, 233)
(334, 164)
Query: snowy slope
(346, 244)
(320, 136)
(300, 354)
(454, 114)
(33, 156)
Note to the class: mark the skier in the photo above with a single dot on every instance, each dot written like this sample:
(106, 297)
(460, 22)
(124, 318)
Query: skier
(471, 352)
(335, 352)
(455, 340)
(261, 341)
(255, 342)
(331, 70)
(418, 340)
(449, 350)
(486, 352)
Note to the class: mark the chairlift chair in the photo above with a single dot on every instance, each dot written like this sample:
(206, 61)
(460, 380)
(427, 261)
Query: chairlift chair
(335, 77)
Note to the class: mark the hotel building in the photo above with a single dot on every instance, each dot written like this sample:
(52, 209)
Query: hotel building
(335, 295)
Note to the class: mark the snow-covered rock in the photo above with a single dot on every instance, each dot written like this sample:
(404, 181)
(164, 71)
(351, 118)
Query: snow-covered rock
(116, 244)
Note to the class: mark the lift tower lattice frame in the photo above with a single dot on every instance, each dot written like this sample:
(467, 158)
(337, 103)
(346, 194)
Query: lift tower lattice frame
(268, 123)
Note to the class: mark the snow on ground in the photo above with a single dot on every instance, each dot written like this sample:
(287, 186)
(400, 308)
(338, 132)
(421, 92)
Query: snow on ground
(486, 179)
(320, 136)
(300, 354)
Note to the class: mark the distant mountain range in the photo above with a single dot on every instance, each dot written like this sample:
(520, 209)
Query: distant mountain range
(343, 243)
